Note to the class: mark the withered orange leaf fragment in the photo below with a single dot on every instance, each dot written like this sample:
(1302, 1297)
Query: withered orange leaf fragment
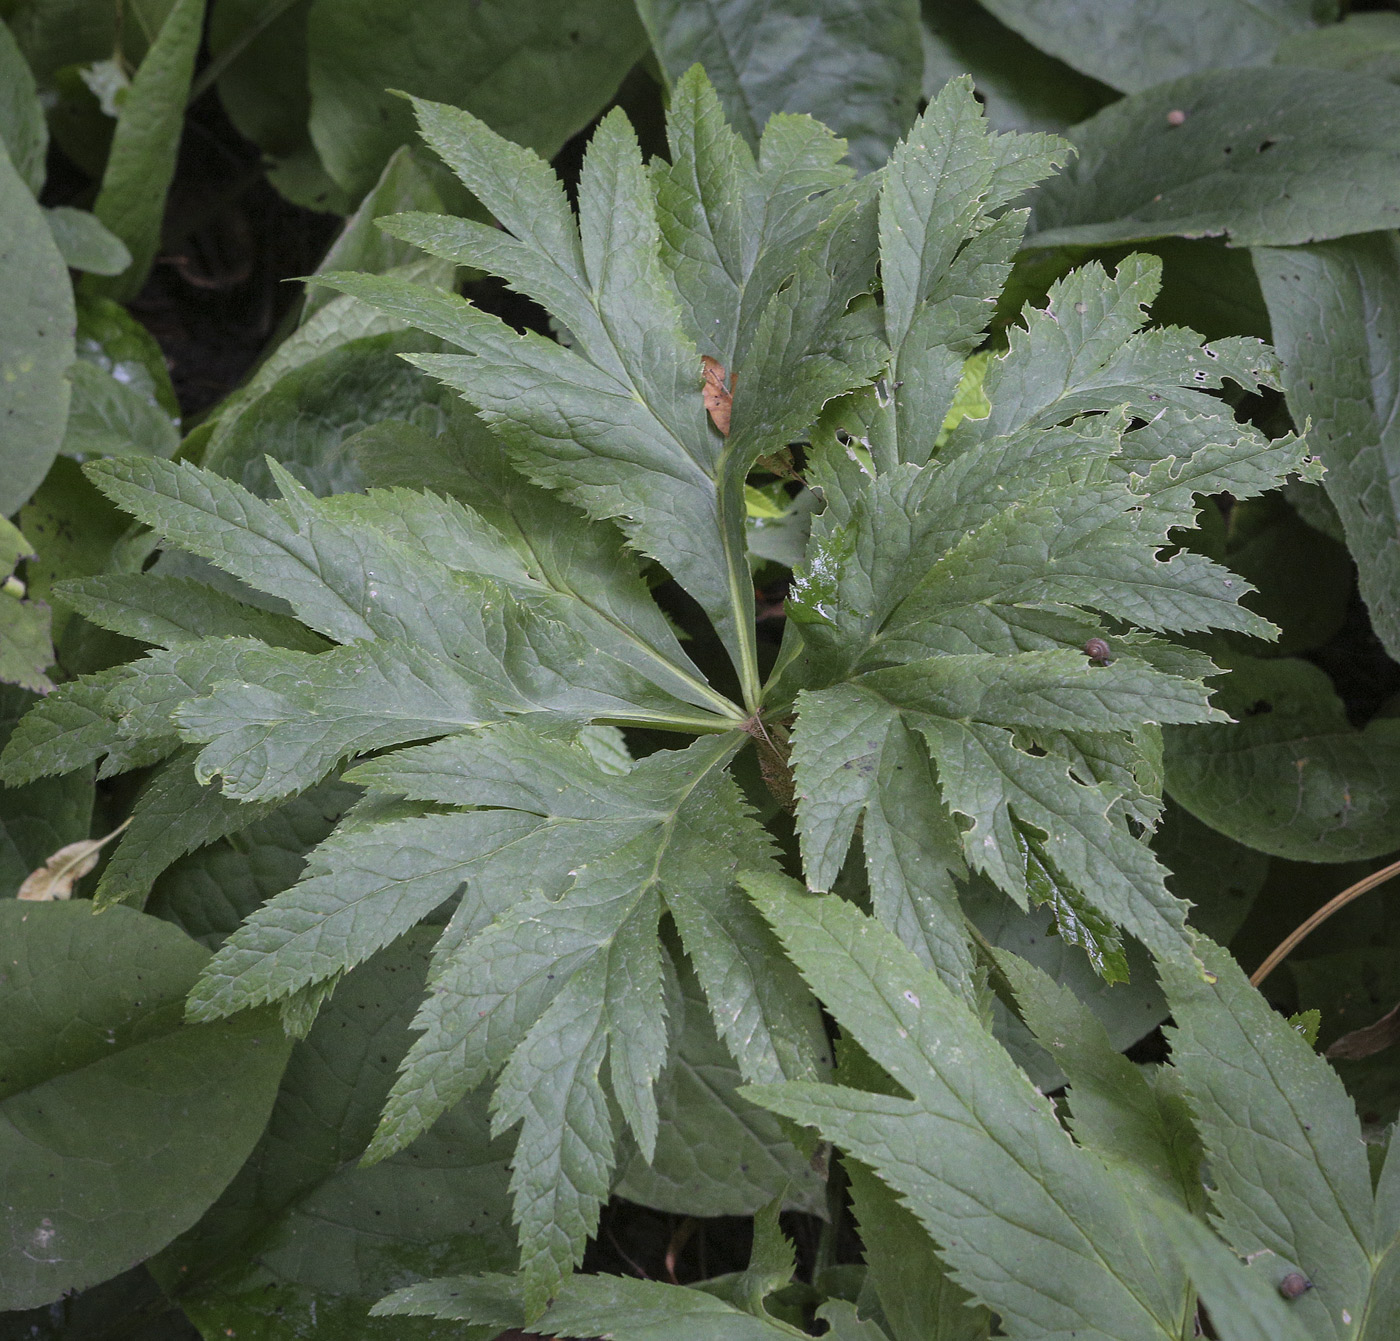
(719, 399)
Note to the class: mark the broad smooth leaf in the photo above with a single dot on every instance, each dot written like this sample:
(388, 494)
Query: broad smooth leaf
(1266, 157)
(121, 1123)
(131, 202)
(106, 417)
(857, 68)
(306, 1238)
(110, 337)
(24, 134)
(36, 341)
(1335, 311)
(306, 418)
(85, 243)
(536, 70)
(42, 817)
(260, 48)
(1363, 43)
(1029, 1223)
(1133, 44)
(1020, 87)
(1292, 777)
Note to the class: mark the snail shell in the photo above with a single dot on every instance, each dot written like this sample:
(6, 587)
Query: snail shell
(1097, 652)
(1294, 1284)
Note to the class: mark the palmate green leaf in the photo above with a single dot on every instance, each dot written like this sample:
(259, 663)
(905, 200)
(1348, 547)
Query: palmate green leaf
(524, 537)
(616, 423)
(356, 583)
(175, 814)
(551, 961)
(904, 1277)
(906, 1285)
(1031, 1225)
(1133, 45)
(953, 599)
(169, 611)
(1134, 1119)
(716, 1154)
(1290, 1175)
(1243, 1306)
(208, 893)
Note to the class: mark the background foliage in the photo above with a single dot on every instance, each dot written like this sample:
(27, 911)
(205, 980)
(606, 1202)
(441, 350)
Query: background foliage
(168, 165)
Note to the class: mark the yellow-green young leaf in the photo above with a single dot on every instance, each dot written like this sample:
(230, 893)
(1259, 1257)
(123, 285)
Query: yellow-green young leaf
(141, 162)
(121, 1123)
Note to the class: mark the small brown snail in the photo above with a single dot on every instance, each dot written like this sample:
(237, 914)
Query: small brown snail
(1294, 1284)
(1097, 652)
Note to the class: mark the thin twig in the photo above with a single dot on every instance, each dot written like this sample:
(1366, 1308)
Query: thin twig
(1333, 905)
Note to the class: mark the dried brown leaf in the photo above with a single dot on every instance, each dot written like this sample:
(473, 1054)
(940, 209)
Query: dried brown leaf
(719, 399)
(57, 876)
